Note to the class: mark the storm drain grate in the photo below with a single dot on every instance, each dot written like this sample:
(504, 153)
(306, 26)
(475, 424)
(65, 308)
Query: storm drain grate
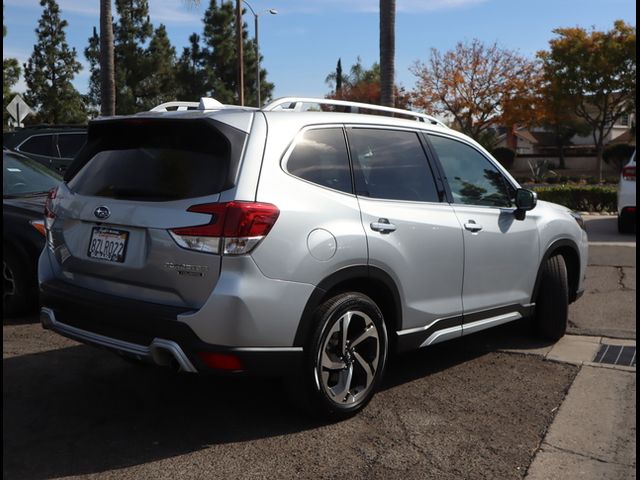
(616, 355)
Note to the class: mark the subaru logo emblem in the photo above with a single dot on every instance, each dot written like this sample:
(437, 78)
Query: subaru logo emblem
(102, 213)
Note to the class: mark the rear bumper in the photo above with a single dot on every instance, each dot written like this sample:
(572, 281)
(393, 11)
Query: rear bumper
(626, 196)
(627, 211)
(148, 332)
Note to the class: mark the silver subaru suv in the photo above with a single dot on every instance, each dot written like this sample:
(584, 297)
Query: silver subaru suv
(309, 238)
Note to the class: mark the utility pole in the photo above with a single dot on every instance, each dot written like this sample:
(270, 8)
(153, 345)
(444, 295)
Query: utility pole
(240, 55)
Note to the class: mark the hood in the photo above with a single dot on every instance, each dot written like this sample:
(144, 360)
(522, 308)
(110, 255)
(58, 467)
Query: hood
(555, 206)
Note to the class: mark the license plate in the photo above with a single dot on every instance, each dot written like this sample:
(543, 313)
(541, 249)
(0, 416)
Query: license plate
(108, 244)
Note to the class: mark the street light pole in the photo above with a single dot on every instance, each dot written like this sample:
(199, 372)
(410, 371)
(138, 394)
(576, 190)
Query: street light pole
(257, 43)
(240, 55)
(255, 18)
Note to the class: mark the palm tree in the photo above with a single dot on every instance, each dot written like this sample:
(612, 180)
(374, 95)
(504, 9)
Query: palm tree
(107, 58)
(387, 51)
(107, 76)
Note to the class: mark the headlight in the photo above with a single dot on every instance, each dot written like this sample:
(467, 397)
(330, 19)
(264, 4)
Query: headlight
(579, 220)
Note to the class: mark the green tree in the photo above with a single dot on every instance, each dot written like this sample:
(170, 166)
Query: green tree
(159, 85)
(598, 70)
(220, 56)
(364, 85)
(339, 76)
(219, 53)
(93, 98)
(191, 77)
(337, 79)
(131, 33)
(51, 69)
(250, 59)
(10, 76)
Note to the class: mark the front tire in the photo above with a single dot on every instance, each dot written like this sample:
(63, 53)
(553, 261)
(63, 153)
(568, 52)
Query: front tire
(346, 355)
(552, 302)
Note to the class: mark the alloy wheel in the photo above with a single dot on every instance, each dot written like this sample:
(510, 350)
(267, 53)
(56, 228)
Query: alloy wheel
(347, 363)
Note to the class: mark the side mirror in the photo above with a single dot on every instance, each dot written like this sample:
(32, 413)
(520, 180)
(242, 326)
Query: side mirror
(525, 200)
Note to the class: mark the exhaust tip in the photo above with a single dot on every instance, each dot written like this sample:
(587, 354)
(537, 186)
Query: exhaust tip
(46, 318)
(169, 354)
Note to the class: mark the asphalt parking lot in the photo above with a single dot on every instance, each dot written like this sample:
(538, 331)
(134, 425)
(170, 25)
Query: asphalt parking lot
(455, 411)
(465, 409)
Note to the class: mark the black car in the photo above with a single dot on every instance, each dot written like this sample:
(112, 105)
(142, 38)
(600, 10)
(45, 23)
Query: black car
(52, 146)
(25, 185)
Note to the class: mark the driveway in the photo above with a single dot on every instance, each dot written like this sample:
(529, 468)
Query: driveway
(608, 307)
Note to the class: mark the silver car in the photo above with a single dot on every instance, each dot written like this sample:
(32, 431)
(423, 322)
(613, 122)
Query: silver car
(298, 241)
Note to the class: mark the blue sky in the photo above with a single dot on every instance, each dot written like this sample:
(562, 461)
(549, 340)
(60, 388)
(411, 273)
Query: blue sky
(302, 43)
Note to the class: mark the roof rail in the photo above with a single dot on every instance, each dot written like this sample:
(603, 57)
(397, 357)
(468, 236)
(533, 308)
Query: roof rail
(175, 106)
(205, 103)
(296, 104)
(52, 125)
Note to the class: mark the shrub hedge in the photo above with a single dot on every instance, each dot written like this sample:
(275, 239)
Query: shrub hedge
(583, 198)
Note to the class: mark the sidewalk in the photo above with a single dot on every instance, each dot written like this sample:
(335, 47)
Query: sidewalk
(593, 436)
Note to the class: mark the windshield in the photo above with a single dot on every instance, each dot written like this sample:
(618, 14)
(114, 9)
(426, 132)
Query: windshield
(22, 176)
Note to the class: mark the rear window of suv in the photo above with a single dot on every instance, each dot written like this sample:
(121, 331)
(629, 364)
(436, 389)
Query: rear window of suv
(157, 160)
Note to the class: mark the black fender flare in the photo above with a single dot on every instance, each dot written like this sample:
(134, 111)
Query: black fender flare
(551, 250)
(342, 276)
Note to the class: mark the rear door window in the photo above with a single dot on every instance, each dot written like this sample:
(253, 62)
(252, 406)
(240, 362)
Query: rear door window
(391, 164)
(156, 161)
(320, 156)
(39, 145)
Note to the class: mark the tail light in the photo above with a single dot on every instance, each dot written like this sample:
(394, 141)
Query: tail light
(39, 226)
(49, 216)
(221, 361)
(48, 204)
(629, 173)
(235, 228)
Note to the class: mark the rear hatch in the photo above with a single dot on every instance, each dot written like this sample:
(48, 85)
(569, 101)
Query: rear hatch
(128, 188)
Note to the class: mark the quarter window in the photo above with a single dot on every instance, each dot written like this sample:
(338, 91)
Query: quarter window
(473, 179)
(391, 164)
(70, 143)
(320, 156)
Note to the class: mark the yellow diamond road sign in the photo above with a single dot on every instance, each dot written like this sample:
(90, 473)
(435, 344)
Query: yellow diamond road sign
(18, 109)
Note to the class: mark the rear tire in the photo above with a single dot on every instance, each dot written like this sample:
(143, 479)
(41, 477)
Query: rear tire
(552, 302)
(626, 223)
(345, 357)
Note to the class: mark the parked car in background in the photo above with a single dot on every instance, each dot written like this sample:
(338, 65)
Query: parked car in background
(627, 197)
(304, 244)
(25, 184)
(52, 146)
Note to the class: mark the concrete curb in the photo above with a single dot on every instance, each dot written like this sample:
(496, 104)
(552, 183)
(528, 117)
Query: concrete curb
(593, 435)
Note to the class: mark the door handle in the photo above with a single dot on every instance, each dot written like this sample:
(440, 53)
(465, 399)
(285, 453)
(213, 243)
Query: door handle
(472, 226)
(383, 226)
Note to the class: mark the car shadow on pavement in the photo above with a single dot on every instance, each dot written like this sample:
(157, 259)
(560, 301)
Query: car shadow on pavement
(24, 319)
(416, 364)
(79, 410)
